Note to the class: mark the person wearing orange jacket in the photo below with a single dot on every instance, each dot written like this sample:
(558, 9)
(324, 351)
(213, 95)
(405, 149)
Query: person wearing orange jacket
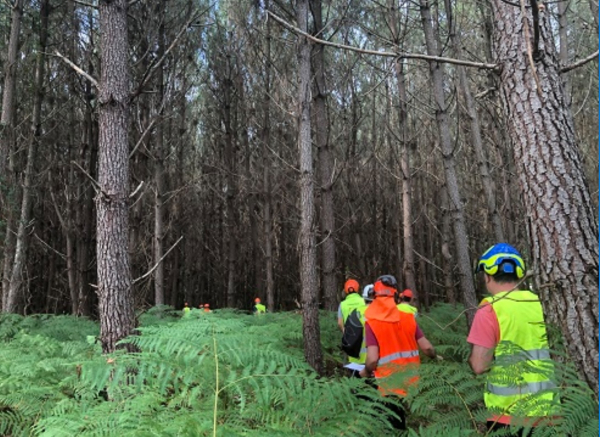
(393, 340)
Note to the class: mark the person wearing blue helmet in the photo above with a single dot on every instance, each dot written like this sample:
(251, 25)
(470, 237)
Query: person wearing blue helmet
(509, 342)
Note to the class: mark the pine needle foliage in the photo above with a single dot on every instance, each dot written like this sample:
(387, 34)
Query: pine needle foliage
(231, 374)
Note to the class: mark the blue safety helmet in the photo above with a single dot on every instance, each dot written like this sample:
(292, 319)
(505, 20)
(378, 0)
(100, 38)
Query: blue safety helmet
(501, 258)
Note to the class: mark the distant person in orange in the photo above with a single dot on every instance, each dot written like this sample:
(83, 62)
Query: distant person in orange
(406, 300)
(207, 308)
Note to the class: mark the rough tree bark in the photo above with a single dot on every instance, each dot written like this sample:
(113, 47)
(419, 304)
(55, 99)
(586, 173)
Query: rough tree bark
(325, 163)
(562, 226)
(117, 318)
(308, 250)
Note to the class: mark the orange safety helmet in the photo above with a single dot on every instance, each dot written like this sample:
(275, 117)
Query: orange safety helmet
(351, 286)
(407, 293)
(257, 300)
(386, 285)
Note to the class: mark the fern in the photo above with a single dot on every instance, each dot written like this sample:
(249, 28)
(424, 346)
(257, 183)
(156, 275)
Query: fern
(232, 374)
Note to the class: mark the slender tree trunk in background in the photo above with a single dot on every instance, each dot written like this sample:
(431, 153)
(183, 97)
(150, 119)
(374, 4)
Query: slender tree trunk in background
(72, 220)
(594, 9)
(159, 170)
(426, 245)
(308, 250)
(178, 290)
(16, 279)
(267, 194)
(448, 265)
(325, 162)
(563, 24)
(117, 318)
(89, 162)
(7, 143)
(408, 266)
(475, 130)
(561, 222)
(447, 148)
(230, 241)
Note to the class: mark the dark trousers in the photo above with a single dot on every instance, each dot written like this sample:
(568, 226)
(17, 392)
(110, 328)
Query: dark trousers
(397, 418)
(392, 406)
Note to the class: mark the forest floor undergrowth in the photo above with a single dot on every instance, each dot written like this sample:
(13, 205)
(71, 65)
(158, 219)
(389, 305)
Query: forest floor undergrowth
(227, 373)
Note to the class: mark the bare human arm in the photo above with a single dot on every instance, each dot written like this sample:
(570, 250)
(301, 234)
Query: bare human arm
(371, 361)
(480, 359)
(426, 346)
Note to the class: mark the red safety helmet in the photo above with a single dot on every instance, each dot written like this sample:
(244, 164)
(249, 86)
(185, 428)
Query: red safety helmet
(351, 286)
(407, 293)
(206, 305)
(257, 300)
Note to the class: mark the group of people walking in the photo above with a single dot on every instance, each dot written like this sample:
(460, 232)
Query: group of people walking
(203, 307)
(508, 338)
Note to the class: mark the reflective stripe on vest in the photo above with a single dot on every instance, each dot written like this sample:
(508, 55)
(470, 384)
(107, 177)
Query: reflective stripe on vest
(397, 355)
(532, 387)
(532, 354)
(397, 368)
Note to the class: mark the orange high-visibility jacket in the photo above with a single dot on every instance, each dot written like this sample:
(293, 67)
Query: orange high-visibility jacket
(398, 350)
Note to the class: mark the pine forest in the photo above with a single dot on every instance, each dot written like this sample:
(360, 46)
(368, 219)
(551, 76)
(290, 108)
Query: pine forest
(163, 164)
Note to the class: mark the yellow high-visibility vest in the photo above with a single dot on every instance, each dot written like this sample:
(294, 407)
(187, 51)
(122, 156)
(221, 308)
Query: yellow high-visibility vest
(407, 308)
(522, 373)
(355, 301)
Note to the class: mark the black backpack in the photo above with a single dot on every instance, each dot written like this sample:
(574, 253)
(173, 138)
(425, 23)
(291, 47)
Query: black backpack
(353, 335)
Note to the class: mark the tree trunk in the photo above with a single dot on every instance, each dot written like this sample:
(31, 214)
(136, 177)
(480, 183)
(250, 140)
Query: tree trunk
(447, 263)
(325, 162)
(7, 140)
(117, 318)
(230, 192)
(159, 172)
(84, 243)
(447, 148)
(563, 6)
(475, 130)
(16, 279)
(594, 9)
(267, 193)
(408, 265)
(308, 255)
(561, 222)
